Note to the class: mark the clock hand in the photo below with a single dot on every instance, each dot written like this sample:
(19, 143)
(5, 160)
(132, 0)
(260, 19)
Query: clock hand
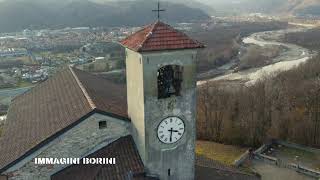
(171, 130)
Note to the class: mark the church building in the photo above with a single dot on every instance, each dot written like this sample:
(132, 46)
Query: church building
(148, 127)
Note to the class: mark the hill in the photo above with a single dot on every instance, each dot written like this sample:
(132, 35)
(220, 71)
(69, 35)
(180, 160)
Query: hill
(284, 7)
(306, 7)
(16, 15)
(297, 7)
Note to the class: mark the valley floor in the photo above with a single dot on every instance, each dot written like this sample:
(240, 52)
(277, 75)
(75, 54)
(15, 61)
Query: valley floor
(292, 57)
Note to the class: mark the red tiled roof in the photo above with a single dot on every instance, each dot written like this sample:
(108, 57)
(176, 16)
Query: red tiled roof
(159, 36)
(127, 160)
(105, 95)
(53, 106)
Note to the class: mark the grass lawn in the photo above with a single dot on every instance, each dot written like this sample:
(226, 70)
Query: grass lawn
(225, 154)
(22, 84)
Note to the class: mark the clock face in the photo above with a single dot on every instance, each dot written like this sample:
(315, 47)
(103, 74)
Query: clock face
(171, 130)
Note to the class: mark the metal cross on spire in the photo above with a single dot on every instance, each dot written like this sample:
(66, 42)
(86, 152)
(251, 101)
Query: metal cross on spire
(159, 10)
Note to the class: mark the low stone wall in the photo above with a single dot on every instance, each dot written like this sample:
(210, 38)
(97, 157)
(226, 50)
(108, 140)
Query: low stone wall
(262, 149)
(297, 146)
(292, 166)
(267, 159)
(303, 170)
(242, 159)
(275, 161)
(246, 155)
(309, 172)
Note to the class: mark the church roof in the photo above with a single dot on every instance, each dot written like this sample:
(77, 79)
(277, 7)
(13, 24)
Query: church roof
(159, 36)
(127, 161)
(54, 106)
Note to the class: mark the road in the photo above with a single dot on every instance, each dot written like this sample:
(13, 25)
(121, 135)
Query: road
(293, 56)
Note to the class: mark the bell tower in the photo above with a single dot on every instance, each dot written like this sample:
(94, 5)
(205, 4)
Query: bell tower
(161, 89)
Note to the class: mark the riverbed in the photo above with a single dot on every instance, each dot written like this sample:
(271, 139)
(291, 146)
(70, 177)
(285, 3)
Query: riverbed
(292, 57)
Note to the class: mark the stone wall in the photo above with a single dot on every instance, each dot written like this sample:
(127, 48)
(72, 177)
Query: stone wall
(297, 146)
(135, 96)
(267, 159)
(168, 161)
(278, 162)
(177, 158)
(82, 140)
(244, 157)
(308, 171)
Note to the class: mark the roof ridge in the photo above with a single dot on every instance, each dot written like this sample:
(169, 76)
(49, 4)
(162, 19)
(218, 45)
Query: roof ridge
(148, 35)
(160, 36)
(83, 89)
(140, 30)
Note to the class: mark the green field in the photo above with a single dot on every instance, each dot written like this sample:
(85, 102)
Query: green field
(225, 154)
(23, 84)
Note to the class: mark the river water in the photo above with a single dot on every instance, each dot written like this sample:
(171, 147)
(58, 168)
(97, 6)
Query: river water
(292, 57)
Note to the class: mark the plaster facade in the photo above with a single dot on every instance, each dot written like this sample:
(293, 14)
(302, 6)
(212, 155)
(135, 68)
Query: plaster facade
(168, 161)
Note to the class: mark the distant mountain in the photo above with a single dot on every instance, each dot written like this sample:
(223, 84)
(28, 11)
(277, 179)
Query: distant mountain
(305, 7)
(16, 15)
(293, 7)
(190, 3)
(196, 4)
(286, 7)
(234, 7)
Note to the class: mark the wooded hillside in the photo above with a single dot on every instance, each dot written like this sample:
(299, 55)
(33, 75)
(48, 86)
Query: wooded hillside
(286, 107)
